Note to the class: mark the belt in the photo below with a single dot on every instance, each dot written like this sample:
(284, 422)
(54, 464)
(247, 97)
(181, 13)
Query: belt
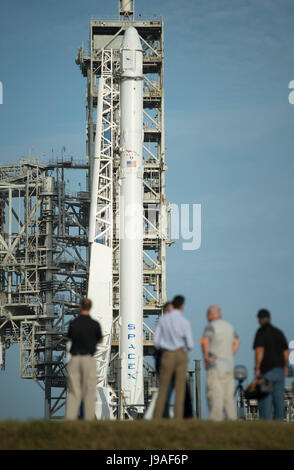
(173, 350)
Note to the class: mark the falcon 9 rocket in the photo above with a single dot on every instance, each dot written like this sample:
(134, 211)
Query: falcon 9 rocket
(131, 219)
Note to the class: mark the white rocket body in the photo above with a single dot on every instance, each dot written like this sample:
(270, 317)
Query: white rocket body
(131, 219)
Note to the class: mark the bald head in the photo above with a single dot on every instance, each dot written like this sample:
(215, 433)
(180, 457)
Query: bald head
(214, 312)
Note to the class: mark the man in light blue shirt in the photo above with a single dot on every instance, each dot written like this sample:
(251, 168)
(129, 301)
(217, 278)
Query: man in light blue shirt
(174, 336)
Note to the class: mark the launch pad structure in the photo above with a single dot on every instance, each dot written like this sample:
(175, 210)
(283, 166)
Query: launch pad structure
(44, 227)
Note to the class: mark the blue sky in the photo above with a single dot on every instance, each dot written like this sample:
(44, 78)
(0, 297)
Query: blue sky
(229, 138)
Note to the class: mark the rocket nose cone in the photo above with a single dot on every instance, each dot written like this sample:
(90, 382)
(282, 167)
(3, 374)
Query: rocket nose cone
(131, 39)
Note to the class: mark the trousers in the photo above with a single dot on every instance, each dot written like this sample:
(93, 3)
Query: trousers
(220, 394)
(172, 362)
(272, 406)
(82, 380)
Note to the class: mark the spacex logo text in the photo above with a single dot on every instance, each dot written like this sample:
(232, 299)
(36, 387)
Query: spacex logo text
(132, 348)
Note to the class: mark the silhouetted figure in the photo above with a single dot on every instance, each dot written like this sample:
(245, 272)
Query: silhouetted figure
(85, 334)
(174, 336)
(220, 343)
(271, 363)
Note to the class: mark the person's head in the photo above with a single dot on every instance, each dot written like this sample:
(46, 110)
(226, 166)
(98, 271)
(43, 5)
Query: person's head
(85, 306)
(178, 302)
(167, 307)
(213, 312)
(264, 316)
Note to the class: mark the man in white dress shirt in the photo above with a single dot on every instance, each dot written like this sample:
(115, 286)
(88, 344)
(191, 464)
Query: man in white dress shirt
(173, 335)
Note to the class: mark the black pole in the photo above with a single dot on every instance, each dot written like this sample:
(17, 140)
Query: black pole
(191, 385)
(198, 389)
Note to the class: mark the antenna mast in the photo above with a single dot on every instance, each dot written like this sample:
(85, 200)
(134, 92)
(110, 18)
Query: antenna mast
(126, 10)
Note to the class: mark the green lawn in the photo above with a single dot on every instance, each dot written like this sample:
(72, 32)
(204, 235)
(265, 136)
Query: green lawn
(163, 434)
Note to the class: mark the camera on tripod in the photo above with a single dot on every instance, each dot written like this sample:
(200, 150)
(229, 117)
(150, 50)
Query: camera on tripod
(240, 374)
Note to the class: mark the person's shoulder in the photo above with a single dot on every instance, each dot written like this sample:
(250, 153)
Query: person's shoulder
(259, 330)
(209, 330)
(74, 320)
(221, 325)
(167, 316)
(277, 330)
(94, 322)
(268, 329)
(225, 323)
(209, 326)
(162, 318)
(86, 319)
(185, 320)
(230, 326)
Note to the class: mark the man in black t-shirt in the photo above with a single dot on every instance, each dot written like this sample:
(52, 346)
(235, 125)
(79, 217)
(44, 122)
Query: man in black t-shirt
(271, 362)
(85, 334)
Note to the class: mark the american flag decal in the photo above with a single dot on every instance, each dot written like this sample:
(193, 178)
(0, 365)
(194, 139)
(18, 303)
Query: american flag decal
(131, 164)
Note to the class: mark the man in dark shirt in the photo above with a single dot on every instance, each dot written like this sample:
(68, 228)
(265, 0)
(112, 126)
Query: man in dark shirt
(85, 334)
(271, 362)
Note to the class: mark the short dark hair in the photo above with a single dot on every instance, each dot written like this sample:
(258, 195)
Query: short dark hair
(178, 301)
(86, 304)
(263, 313)
(164, 308)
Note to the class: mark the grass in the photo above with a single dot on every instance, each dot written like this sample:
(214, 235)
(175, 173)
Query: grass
(146, 435)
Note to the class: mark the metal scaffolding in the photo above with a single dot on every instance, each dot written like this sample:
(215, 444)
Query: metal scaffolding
(43, 267)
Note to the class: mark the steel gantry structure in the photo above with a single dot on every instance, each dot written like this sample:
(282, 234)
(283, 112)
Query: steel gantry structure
(43, 267)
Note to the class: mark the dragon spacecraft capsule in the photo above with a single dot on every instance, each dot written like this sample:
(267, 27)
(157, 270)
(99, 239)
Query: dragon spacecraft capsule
(131, 219)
